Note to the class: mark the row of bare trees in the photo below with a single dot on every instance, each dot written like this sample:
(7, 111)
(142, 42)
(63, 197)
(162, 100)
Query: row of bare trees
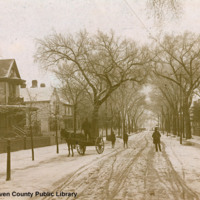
(123, 110)
(128, 105)
(103, 69)
(177, 77)
(96, 65)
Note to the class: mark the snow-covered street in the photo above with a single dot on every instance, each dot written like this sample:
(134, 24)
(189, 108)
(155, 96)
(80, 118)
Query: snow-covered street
(135, 173)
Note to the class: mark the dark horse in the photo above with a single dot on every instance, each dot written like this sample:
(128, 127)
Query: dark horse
(70, 140)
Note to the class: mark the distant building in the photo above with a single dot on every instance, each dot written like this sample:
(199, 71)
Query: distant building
(51, 108)
(12, 106)
(195, 118)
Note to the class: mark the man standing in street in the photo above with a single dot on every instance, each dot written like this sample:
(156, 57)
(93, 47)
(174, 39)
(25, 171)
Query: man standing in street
(113, 138)
(125, 139)
(156, 139)
(86, 128)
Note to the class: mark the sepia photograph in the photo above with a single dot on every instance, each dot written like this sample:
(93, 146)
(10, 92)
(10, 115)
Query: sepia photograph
(100, 99)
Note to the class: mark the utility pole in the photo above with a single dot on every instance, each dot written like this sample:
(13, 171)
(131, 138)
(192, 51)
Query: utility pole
(106, 116)
(31, 132)
(56, 118)
(162, 120)
(8, 174)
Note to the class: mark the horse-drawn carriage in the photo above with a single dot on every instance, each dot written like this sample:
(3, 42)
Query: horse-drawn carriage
(79, 141)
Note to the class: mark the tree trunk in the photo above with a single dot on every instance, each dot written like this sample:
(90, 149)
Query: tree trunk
(111, 126)
(57, 145)
(184, 124)
(95, 127)
(74, 117)
(31, 133)
(168, 123)
(129, 125)
(174, 124)
(106, 116)
(135, 125)
(123, 124)
(162, 120)
(32, 145)
(177, 125)
(132, 126)
(119, 125)
(187, 120)
(111, 122)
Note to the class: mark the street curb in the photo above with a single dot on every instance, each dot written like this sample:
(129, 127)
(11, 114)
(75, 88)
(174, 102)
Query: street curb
(191, 143)
(187, 142)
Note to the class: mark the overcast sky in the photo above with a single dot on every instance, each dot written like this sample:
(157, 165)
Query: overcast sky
(21, 21)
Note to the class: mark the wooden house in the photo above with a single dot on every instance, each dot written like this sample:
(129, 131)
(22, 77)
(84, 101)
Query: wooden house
(53, 111)
(11, 104)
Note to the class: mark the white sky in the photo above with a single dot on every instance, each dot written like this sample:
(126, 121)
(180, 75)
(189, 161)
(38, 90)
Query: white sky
(21, 21)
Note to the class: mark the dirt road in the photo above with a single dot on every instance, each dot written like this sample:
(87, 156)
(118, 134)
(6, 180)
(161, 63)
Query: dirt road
(137, 172)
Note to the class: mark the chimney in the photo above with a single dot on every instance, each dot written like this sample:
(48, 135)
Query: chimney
(34, 84)
(42, 85)
(23, 85)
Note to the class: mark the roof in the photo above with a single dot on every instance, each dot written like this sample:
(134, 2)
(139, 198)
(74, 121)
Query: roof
(62, 98)
(64, 101)
(6, 65)
(41, 94)
(15, 108)
(36, 94)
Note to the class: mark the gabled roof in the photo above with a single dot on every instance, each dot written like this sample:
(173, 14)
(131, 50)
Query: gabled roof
(36, 94)
(63, 99)
(39, 94)
(6, 67)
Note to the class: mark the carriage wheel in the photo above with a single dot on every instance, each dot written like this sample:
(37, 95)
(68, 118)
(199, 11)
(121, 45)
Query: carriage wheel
(99, 144)
(81, 149)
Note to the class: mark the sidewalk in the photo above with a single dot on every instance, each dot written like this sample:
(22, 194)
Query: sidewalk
(195, 141)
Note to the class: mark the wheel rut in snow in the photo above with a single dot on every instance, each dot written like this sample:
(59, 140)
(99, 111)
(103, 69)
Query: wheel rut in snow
(94, 178)
(162, 181)
(134, 173)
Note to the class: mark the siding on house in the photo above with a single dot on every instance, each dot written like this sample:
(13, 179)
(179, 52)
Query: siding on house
(50, 107)
(195, 118)
(2, 93)
(10, 82)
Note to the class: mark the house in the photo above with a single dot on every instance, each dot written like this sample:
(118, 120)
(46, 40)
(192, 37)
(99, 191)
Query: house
(11, 104)
(66, 112)
(52, 112)
(195, 117)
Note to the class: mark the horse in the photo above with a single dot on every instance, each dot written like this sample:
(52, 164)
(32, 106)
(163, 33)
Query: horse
(69, 140)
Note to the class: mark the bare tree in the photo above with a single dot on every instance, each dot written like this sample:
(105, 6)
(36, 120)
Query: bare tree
(177, 60)
(30, 117)
(103, 61)
(164, 9)
(128, 104)
(165, 98)
(72, 89)
(137, 110)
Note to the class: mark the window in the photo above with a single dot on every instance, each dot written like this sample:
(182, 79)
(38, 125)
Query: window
(12, 90)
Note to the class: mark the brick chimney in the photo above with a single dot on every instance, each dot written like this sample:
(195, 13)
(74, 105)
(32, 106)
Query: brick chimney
(42, 85)
(34, 84)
